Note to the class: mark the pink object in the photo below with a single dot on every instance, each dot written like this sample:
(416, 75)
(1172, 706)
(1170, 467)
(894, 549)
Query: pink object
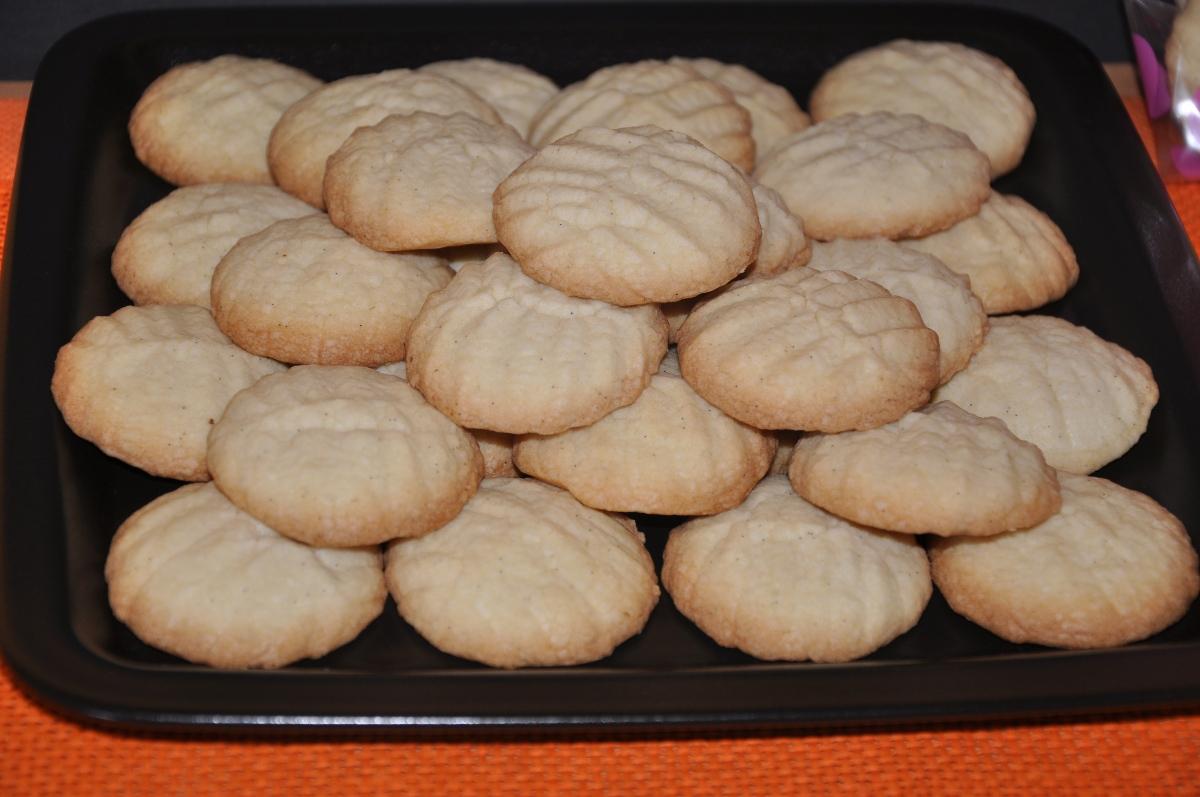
(1187, 162)
(1154, 78)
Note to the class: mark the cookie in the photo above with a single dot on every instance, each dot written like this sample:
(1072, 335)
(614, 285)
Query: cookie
(938, 470)
(313, 129)
(495, 350)
(496, 447)
(943, 298)
(809, 350)
(302, 291)
(780, 579)
(947, 83)
(342, 456)
(209, 121)
(1080, 399)
(898, 176)
(421, 181)
(1015, 257)
(516, 92)
(774, 113)
(668, 453)
(669, 96)
(525, 576)
(628, 216)
(145, 384)
(169, 252)
(193, 575)
(1111, 568)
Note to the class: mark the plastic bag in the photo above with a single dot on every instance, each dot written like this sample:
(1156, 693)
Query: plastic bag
(1166, 44)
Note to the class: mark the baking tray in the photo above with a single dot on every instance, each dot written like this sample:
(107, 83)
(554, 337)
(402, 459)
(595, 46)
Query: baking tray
(79, 184)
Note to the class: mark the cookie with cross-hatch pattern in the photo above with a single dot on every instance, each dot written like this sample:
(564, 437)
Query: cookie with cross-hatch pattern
(628, 216)
(944, 82)
(525, 576)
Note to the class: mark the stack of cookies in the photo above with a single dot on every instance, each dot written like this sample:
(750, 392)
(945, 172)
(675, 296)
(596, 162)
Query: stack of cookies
(432, 310)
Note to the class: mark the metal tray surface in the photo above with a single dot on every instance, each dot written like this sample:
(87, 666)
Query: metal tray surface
(79, 184)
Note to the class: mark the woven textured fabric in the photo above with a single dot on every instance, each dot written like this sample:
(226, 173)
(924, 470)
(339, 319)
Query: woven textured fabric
(44, 754)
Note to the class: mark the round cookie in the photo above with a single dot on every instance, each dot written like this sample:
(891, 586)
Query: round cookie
(938, 470)
(342, 456)
(1015, 257)
(209, 121)
(313, 129)
(879, 174)
(669, 96)
(496, 447)
(943, 298)
(516, 92)
(668, 453)
(192, 574)
(169, 252)
(145, 384)
(495, 350)
(1080, 399)
(806, 349)
(1111, 568)
(302, 291)
(947, 83)
(525, 576)
(774, 113)
(628, 216)
(782, 580)
(421, 181)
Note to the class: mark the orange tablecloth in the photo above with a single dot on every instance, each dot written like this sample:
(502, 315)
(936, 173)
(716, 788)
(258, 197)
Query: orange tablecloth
(43, 754)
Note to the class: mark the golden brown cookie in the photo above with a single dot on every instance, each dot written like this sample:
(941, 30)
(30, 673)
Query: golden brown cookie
(1080, 399)
(302, 291)
(421, 181)
(938, 470)
(897, 176)
(192, 574)
(668, 453)
(780, 579)
(145, 384)
(1015, 257)
(525, 576)
(628, 216)
(944, 82)
(496, 350)
(341, 456)
(814, 350)
(209, 121)
(1111, 568)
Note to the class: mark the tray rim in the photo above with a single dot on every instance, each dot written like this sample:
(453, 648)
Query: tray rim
(83, 684)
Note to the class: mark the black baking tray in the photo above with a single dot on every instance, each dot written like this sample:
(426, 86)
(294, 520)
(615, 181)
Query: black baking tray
(79, 184)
